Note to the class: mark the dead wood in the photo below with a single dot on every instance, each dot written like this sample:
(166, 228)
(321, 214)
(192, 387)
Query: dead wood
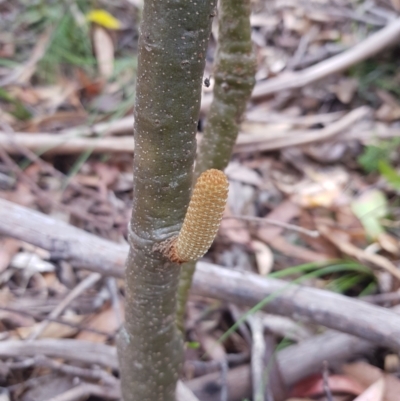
(85, 390)
(72, 142)
(64, 143)
(70, 350)
(332, 310)
(363, 50)
(333, 346)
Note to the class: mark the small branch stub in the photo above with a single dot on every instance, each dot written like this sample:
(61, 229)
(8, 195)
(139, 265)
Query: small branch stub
(202, 219)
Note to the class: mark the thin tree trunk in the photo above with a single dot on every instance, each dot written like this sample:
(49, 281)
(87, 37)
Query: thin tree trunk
(234, 72)
(172, 47)
(234, 80)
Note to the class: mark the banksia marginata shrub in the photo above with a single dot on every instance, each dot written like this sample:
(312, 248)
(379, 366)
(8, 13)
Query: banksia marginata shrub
(202, 219)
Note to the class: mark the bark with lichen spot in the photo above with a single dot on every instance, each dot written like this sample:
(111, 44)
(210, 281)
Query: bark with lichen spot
(172, 46)
(234, 72)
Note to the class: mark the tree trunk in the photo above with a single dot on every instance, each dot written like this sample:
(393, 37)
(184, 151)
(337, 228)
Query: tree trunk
(172, 46)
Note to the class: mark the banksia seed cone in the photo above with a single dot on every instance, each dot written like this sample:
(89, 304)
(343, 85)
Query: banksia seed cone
(202, 218)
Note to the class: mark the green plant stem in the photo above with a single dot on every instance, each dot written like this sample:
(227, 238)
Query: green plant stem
(172, 48)
(234, 72)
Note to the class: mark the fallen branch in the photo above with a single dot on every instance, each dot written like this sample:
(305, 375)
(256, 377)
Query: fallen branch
(67, 143)
(318, 306)
(85, 352)
(75, 371)
(332, 346)
(71, 350)
(332, 310)
(277, 223)
(85, 390)
(360, 52)
(63, 143)
(251, 143)
(114, 127)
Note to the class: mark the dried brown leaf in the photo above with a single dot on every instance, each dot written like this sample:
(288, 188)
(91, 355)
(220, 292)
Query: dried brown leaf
(339, 239)
(8, 248)
(373, 393)
(367, 374)
(105, 321)
(313, 386)
(264, 257)
(104, 49)
(213, 348)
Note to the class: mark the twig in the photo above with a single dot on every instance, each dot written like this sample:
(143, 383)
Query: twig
(322, 307)
(250, 143)
(242, 288)
(282, 326)
(76, 371)
(84, 390)
(382, 298)
(115, 127)
(325, 380)
(302, 48)
(224, 377)
(308, 304)
(65, 143)
(68, 349)
(262, 220)
(85, 284)
(331, 346)
(55, 320)
(115, 301)
(195, 368)
(257, 357)
(363, 50)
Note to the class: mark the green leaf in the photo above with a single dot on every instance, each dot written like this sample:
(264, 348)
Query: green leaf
(369, 208)
(370, 158)
(390, 174)
(193, 344)
(17, 109)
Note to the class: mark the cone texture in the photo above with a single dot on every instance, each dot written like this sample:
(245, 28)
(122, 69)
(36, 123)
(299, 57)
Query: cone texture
(203, 216)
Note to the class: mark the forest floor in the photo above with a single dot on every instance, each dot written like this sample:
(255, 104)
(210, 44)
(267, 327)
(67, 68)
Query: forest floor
(314, 184)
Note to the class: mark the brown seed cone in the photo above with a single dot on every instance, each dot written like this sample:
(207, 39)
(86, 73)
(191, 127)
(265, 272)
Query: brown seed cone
(203, 216)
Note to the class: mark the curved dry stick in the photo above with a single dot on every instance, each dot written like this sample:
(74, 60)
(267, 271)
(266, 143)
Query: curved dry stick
(360, 52)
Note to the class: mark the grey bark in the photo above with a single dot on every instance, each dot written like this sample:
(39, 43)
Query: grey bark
(332, 310)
